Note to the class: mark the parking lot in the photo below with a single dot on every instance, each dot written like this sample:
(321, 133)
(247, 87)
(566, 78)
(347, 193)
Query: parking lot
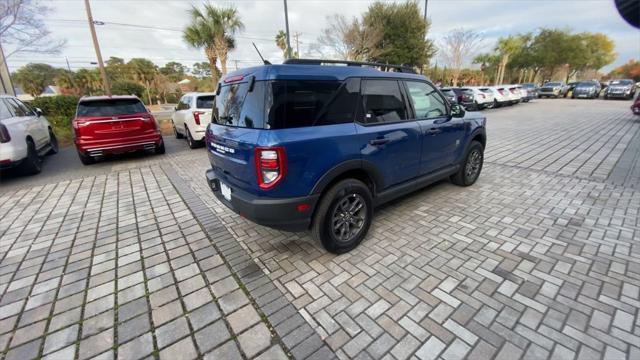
(134, 257)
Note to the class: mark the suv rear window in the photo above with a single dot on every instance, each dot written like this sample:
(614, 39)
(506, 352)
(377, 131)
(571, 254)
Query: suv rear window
(112, 107)
(204, 102)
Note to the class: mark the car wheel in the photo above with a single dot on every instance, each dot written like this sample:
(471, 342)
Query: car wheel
(32, 164)
(192, 143)
(160, 148)
(53, 142)
(175, 132)
(343, 216)
(471, 167)
(86, 159)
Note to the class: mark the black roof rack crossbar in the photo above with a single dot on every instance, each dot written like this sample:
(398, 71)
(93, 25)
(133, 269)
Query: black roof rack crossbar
(383, 67)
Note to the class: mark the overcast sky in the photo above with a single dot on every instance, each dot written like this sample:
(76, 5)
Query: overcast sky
(264, 18)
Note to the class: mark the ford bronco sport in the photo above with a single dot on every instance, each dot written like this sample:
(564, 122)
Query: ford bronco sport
(312, 145)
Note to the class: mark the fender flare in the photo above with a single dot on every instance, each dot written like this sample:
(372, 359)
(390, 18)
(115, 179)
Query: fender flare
(338, 170)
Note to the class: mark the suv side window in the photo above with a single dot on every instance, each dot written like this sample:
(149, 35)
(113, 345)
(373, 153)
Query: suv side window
(18, 108)
(298, 103)
(426, 101)
(383, 101)
(184, 103)
(4, 110)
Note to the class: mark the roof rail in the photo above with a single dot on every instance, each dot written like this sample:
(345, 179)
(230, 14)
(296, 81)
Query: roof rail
(380, 66)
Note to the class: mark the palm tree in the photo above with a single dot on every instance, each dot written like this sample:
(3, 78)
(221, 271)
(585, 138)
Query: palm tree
(213, 29)
(506, 48)
(281, 42)
(144, 72)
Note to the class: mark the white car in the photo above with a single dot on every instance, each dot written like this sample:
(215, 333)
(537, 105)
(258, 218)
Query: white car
(25, 136)
(482, 96)
(515, 92)
(192, 116)
(500, 95)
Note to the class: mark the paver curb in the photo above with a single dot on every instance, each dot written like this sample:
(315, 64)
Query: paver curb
(270, 300)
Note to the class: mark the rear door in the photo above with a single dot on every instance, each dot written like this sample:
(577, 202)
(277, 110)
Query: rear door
(181, 110)
(237, 118)
(113, 119)
(387, 135)
(29, 121)
(441, 135)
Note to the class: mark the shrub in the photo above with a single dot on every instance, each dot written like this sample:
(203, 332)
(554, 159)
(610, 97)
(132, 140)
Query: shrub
(54, 106)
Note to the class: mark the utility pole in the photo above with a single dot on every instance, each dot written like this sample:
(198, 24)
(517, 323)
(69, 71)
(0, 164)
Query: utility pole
(103, 73)
(297, 37)
(73, 81)
(6, 86)
(425, 9)
(286, 22)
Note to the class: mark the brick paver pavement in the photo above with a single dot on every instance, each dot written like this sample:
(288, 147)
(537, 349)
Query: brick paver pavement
(538, 259)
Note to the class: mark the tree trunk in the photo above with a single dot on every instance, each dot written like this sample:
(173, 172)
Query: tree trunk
(148, 94)
(213, 58)
(223, 62)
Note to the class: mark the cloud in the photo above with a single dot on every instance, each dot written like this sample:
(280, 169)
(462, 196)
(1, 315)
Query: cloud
(263, 19)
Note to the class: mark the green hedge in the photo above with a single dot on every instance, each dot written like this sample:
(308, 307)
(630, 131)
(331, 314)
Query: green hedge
(57, 106)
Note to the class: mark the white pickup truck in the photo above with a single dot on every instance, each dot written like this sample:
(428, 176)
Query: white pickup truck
(25, 136)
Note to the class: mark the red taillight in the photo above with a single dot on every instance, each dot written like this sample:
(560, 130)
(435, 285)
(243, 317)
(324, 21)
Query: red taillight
(196, 116)
(271, 166)
(4, 134)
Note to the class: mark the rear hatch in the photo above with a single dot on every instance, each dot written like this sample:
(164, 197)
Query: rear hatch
(204, 106)
(237, 119)
(108, 119)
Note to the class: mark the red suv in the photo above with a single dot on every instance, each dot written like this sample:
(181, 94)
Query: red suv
(113, 125)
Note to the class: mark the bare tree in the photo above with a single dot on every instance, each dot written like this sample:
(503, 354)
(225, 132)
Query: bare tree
(22, 28)
(457, 47)
(348, 40)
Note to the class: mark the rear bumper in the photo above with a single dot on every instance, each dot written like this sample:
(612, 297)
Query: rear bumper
(117, 146)
(9, 164)
(277, 213)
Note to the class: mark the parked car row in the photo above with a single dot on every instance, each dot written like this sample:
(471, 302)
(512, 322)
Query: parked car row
(589, 89)
(474, 98)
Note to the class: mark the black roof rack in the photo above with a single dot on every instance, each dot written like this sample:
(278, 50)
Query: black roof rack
(380, 66)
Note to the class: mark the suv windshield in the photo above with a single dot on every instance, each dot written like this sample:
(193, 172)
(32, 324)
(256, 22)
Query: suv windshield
(111, 107)
(528, 85)
(552, 84)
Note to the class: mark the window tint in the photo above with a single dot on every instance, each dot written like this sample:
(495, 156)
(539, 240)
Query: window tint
(113, 107)
(298, 103)
(383, 101)
(426, 100)
(4, 110)
(18, 108)
(236, 106)
(204, 102)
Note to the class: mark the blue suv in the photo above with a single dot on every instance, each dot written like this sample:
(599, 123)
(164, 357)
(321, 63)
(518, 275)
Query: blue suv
(317, 144)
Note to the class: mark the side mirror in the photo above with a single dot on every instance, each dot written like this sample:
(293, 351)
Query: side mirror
(38, 112)
(457, 111)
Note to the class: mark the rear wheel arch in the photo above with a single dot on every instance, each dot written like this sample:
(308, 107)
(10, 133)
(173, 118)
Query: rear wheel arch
(354, 169)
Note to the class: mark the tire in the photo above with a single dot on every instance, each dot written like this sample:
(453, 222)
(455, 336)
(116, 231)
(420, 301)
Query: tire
(192, 143)
(160, 148)
(53, 142)
(32, 164)
(606, 97)
(86, 159)
(471, 167)
(175, 132)
(335, 206)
